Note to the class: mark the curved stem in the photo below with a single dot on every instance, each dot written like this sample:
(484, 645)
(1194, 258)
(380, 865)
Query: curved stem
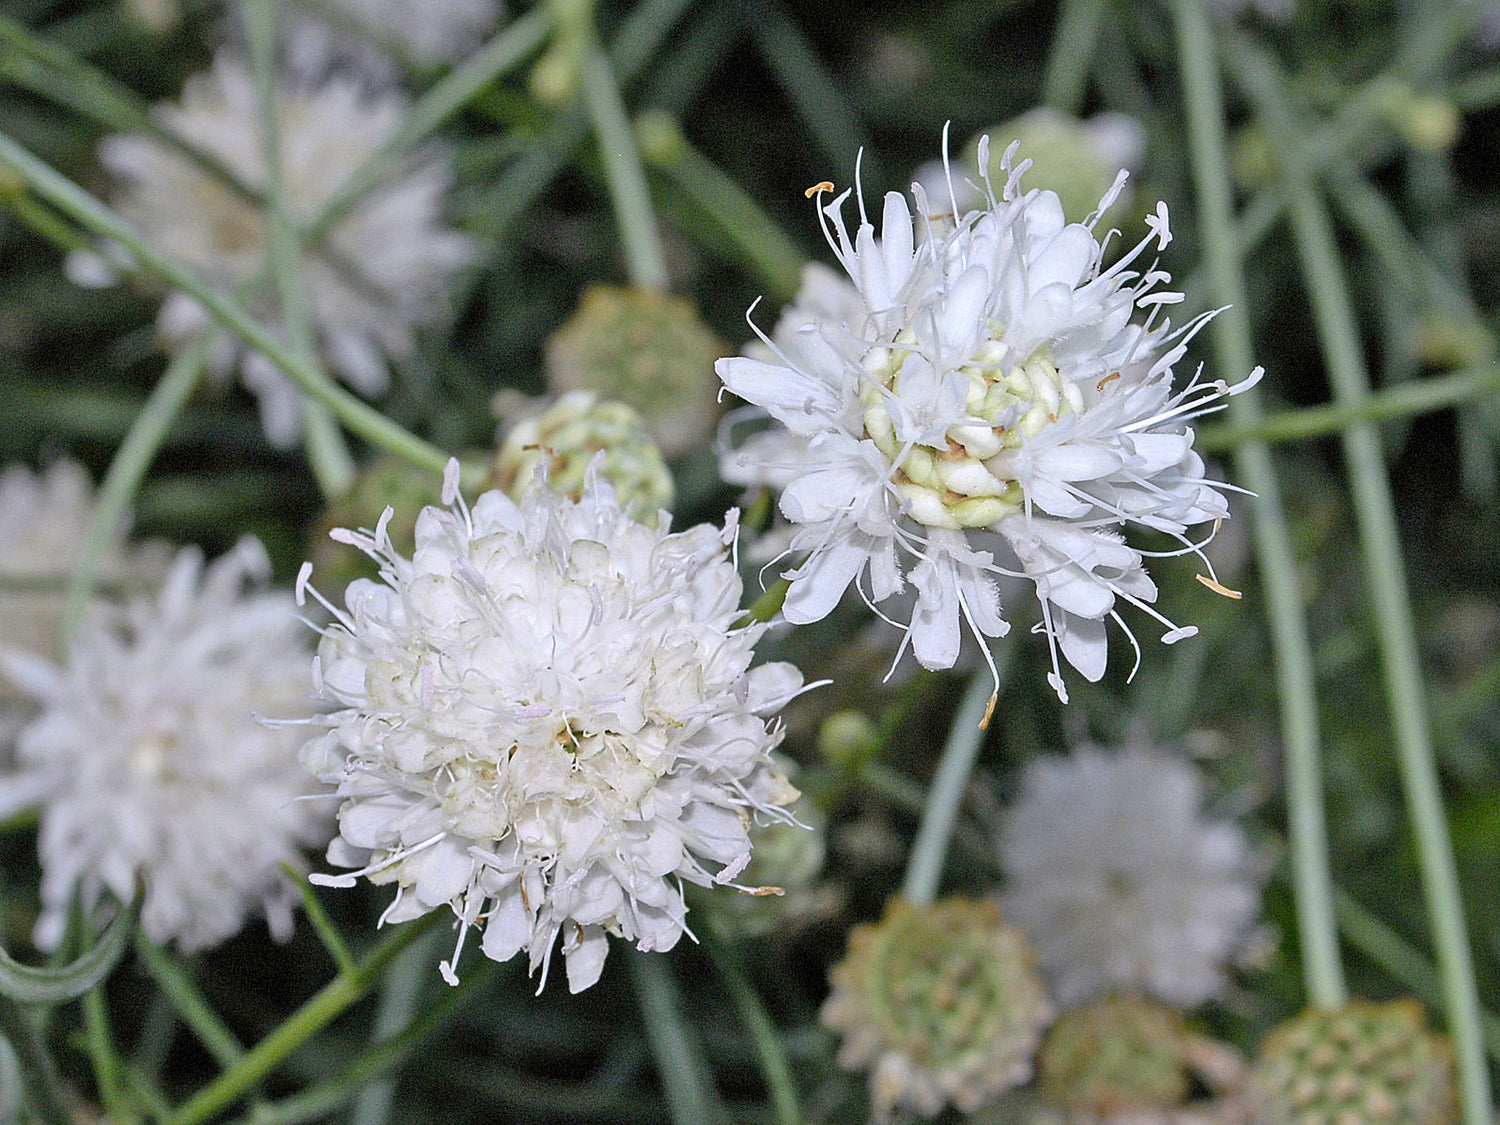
(130, 463)
(1386, 578)
(773, 1060)
(1419, 396)
(358, 416)
(924, 868)
(622, 168)
(1072, 54)
(300, 1026)
(1295, 678)
(691, 1096)
(329, 456)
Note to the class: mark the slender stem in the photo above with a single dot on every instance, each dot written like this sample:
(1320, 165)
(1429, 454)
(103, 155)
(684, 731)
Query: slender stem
(1072, 54)
(644, 257)
(1403, 961)
(504, 52)
(360, 417)
(808, 84)
(1419, 396)
(691, 1096)
(774, 1064)
(755, 234)
(129, 466)
(400, 996)
(108, 1069)
(1296, 681)
(1386, 578)
(43, 1090)
(924, 868)
(329, 457)
(316, 1103)
(177, 986)
(300, 1026)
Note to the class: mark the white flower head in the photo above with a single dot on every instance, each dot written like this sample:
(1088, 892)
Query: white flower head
(550, 724)
(44, 519)
(1120, 880)
(149, 756)
(989, 378)
(376, 273)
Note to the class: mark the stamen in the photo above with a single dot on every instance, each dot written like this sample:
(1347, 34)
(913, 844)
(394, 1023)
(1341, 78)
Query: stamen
(1218, 588)
(825, 185)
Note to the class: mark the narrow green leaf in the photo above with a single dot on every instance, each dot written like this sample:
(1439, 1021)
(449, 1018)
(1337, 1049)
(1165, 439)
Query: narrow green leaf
(28, 985)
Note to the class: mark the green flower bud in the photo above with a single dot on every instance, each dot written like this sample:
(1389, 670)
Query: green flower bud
(1362, 1062)
(941, 1004)
(646, 349)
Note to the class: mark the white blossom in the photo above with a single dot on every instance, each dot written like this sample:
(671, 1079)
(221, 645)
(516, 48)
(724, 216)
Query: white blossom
(550, 724)
(149, 756)
(988, 378)
(376, 273)
(44, 519)
(1120, 880)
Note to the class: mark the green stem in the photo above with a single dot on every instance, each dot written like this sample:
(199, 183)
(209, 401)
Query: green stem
(1296, 681)
(126, 471)
(646, 261)
(809, 86)
(1386, 578)
(754, 233)
(1401, 960)
(768, 605)
(1404, 400)
(358, 416)
(108, 1069)
(177, 986)
(317, 1103)
(768, 1047)
(1072, 54)
(924, 868)
(400, 995)
(42, 1088)
(689, 1087)
(57, 74)
(329, 457)
(503, 53)
(300, 1026)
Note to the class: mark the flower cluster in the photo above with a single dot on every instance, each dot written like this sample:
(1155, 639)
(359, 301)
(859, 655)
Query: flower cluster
(982, 405)
(1120, 880)
(941, 1003)
(149, 757)
(373, 276)
(549, 723)
(44, 519)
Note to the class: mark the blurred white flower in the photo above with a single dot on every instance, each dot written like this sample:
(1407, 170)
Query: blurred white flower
(149, 757)
(373, 38)
(376, 274)
(551, 723)
(988, 378)
(44, 518)
(1120, 880)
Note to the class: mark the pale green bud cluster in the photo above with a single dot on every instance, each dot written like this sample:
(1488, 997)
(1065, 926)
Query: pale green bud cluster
(1124, 1052)
(646, 349)
(968, 484)
(566, 438)
(1362, 1062)
(941, 1003)
(1076, 159)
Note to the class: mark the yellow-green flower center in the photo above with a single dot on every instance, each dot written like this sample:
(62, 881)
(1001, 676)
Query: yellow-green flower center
(969, 482)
